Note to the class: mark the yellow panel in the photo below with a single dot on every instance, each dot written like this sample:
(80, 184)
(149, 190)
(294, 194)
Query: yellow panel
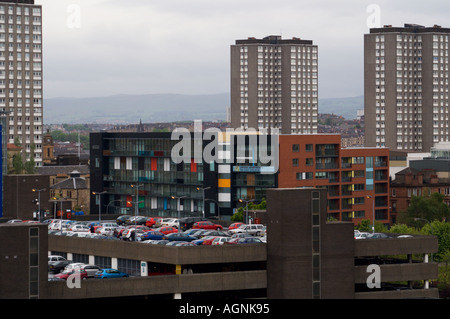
(178, 269)
(224, 183)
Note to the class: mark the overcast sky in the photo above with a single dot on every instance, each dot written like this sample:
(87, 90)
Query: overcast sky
(107, 47)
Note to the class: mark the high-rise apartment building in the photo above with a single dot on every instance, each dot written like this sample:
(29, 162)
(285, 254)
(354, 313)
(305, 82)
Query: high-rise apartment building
(21, 74)
(274, 84)
(406, 87)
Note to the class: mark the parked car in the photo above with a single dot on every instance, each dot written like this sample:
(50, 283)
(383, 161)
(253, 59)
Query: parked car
(361, 235)
(12, 221)
(80, 228)
(203, 239)
(179, 237)
(73, 265)
(66, 273)
(153, 222)
(131, 233)
(252, 229)
(167, 230)
(206, 225)
(220, 240)
(154, 235)
(107, 231)
(235, 225)
(246, 240)
(173, 222)
(241, 235)
(208, 240)
(377, 235)
(121, 219)
(188, 222)
(55, 258)
(91, 270)
(110, 273)
(57, 266)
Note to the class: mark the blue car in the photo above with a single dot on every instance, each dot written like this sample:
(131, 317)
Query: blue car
(110, 273)
(154, 235)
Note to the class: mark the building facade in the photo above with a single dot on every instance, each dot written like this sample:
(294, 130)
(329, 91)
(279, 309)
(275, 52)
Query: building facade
(357, 179)
(274, 84)
(21, 76)
(406, 87)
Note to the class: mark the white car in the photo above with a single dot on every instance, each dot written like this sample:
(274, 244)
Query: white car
(107, 231)
(173, 222)
(80, 228)
(220, 240)
(53, 258)
(251, 229)
(361, 235)
(73, 266)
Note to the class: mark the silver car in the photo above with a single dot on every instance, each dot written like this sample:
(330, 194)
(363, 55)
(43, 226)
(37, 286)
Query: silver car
(91, 269)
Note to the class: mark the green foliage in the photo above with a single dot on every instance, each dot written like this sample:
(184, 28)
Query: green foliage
(71, 137)
(238, 216)
(429, 207)
(442, 231)
(17, 164)
(366, 226)
(437, 228)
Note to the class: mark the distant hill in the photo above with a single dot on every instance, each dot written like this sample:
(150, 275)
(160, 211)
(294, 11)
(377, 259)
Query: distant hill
(153, 108)
(345, 107)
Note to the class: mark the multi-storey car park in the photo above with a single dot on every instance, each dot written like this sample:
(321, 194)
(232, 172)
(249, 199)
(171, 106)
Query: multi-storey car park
(305, 257)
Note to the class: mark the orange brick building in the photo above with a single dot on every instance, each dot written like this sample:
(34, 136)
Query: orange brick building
(357, 179)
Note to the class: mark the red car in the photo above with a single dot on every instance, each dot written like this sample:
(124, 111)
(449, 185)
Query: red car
(65, 274)
(167, 230)
(152, 221)
(206, 225)
(209, 240)
(235, 225)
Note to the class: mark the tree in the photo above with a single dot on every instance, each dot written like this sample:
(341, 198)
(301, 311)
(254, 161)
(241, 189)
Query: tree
(238, 216)
(429, 207)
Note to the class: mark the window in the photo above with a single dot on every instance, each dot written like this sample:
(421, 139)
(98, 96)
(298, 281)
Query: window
(309, 162)
(295, 147)
(295, 162)
(309, 147)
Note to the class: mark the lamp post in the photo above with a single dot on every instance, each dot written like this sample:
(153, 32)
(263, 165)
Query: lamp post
(203, 190)
(178, 203)
(247, 201)
(136, 207)
(99, 205)
(39, 200)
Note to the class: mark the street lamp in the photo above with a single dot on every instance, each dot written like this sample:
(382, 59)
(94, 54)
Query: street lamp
(136, 207)
(39, 200)
(247, 201)
(178, 203)
(99, 204)
(203, 190)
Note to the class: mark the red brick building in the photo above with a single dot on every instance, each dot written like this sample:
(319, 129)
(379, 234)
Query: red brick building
(357, 179)
(414, 182)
